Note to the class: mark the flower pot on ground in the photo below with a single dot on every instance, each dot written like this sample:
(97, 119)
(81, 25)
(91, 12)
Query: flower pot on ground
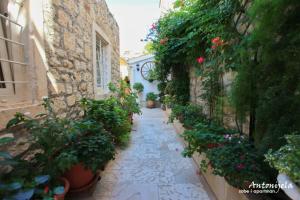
(151, 98)
(87, 155)
(64, 143)
(79, 176)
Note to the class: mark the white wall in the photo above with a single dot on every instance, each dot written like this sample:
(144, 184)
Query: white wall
(135, 76)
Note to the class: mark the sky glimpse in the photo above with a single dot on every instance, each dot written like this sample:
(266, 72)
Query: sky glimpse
(134, 18)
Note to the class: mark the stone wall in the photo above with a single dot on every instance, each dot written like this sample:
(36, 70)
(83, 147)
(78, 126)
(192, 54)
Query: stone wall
(196, 91)
(229, 118)
(68, 31)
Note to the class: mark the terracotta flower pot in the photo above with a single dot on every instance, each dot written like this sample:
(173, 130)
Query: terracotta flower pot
(78, 176)
(66, 186)
(150, 104)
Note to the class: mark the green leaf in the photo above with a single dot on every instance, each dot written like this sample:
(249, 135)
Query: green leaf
(42, 179)
(6, 140)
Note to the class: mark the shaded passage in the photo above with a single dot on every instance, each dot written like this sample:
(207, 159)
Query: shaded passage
(152, 167)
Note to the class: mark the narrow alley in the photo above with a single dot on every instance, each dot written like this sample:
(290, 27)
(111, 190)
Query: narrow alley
(152, 166)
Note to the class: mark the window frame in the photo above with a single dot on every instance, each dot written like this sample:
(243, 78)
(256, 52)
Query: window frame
(12, 63)
(102, 89)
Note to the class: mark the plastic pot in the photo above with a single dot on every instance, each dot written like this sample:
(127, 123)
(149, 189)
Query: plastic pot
(66, 186)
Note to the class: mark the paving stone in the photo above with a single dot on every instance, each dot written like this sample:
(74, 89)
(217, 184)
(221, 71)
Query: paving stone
(152, 167)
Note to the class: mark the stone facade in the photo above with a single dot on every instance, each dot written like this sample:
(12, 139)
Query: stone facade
(69, 49)
(59, 37)
(196, 91)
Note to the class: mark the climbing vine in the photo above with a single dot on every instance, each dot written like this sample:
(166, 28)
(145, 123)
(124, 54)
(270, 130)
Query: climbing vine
(258, 41)
(197, 34)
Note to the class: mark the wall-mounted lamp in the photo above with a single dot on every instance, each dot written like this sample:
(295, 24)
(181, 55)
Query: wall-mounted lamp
(138, 67)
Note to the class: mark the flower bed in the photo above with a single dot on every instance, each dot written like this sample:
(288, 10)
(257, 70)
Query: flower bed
(218, 184)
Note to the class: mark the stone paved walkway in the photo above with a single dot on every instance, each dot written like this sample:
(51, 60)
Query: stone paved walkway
(152, 167)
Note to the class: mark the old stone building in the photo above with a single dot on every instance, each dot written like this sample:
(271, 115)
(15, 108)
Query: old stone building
(64, 49)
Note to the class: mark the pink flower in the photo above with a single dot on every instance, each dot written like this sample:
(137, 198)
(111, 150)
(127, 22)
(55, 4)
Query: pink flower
(240, 166)
(214, 47)
(200, 60)
(153, 26)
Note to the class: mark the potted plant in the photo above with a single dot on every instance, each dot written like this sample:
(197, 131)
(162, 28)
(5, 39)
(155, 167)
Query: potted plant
(21, 181)
(138, 87)
(65, 146)
(91, 153)
(287, 161)
(127, 101)
(151, 98)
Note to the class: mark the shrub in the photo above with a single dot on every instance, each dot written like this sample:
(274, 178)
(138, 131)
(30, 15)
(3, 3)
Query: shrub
(237, 161)
(151, 96)
(125, 97)
(192, 115)
(287, 159)
(139, 87)
(229, 154)
(94, 149)
(110, 113)
(177, 113)
(189, 115)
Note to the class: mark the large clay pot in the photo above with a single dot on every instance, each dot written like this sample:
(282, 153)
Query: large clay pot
(150, 104)
(66, 186)
(78, 176)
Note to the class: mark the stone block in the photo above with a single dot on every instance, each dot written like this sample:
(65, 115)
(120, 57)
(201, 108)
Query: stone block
(71, 100)
(68, 64)
(69, 41)
(59, 104)
(63, 18)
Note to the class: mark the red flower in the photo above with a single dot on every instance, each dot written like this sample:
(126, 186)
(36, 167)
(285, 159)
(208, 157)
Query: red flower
(46, 189)
(214, 47)
(200, 60)
(216, 40)
(240, 166)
